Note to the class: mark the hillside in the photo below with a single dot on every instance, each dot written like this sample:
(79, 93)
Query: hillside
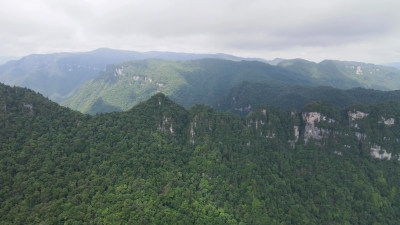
(394, 64)
(58, 75)
(344, 74)
(159, 163)
(191, 82)
(205, 81)
(246, 97)
(82, 81)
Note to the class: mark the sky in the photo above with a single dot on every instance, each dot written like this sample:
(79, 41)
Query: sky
(356, 30)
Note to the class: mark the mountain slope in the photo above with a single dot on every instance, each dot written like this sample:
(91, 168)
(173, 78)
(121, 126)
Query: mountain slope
(186, 82)
(394, 64)
(159, 163)
(343, 74)
(58, 75)
(246, 97)
(204, 81)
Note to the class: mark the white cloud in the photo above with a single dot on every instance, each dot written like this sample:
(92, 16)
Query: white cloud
(312, 29)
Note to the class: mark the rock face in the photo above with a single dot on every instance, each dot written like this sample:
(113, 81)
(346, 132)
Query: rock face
(244, 109)
(356, 115)
(311, 131)
(353, 116)
(311, 117)
(166, 125)
(316, 132)
(296, 136)
(359, 70)
(360, 136)
(296, 133)
(388, 122)
(380, 153)
(28, 106)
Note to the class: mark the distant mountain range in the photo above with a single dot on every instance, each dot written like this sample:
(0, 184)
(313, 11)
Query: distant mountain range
(59, 75)
(394, 64)
(344, 74)
(205, 81)
(246, 97)
(4, 59)
(107, 80)
(187, 82)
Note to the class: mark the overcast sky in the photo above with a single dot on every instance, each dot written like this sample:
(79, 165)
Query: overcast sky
(360, 30)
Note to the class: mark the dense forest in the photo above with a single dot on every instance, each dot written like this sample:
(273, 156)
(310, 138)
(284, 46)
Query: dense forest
(59, 75)
(108, 80)
(122, 86)
(159, 163)
(247, 96)
(203, 81)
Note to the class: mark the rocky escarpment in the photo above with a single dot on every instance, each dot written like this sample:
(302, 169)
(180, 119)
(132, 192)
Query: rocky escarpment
(354, 116)
(380, 153)
(311, 131)
(357, 126)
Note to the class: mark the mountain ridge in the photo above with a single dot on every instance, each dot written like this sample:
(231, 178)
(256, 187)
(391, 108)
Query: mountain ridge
(161, 163)
(246, 97)
(59, 75)
(200, 81)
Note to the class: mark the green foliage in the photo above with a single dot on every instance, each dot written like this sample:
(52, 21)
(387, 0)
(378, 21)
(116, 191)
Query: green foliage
(186, 82)
(59, 75)
(288, 96)
(206, 80)
(159, 163)
(343, 74)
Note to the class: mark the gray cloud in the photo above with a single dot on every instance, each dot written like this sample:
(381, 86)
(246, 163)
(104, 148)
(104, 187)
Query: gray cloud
(250, 28)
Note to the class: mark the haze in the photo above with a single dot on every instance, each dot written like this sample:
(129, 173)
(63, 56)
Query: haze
(315, 30)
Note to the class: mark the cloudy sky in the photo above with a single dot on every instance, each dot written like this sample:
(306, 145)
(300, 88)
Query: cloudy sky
(360, 30)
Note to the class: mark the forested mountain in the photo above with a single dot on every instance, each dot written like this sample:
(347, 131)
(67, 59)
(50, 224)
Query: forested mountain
(204, 81)
(58, 75)
(344, 74)
(159, 163)
(247, 96)
(187, 82)
(83, 81)
(4, 59)
(394, 64)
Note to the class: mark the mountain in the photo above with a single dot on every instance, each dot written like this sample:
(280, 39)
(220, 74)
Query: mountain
(394, 64)
(276, 61)
(344, 74)
(59, 75)
(159, 163)
(204, 81)
(186, 82)
(83, 82)
(246, 97)
(4, 59)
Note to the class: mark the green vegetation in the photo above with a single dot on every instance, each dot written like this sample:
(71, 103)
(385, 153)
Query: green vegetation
(59, 75)
(282, 96)
(186, 82)
(205, 81)
(107, 80)
(159, 163)
(343, 74)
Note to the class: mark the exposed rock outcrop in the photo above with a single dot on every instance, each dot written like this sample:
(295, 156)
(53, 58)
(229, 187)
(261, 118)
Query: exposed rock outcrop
(353, 116)
(244, 109)
(356, 115)
(311, 131)
(29, 106)
(360, 136)
(388, 122)
(380, 153)
(166, 125)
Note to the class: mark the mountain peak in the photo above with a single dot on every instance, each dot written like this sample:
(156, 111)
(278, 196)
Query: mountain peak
(162, 114)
